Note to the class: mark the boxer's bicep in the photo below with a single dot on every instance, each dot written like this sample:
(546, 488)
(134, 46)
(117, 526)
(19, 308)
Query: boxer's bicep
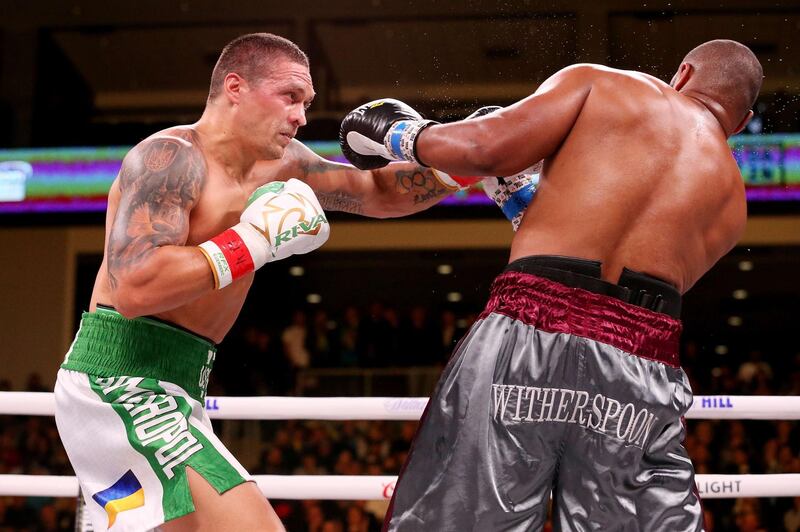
(514, 138)
(535, 127)
(160, 182)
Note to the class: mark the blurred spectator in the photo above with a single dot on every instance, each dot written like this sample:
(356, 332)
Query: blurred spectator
(708, 520)
(349, 338)
(251, 362)
(333, 525)
(273, 462)
(48, 519)
(380, 337)
(34, 384)
(315, 517)
(360, 521)
(391, 338)
(420, 340)
(793, 382)
(747, 515)
(294, 340)
(322, 340)
(787, 461)
(754, 372)
(309, 466)
(770, 457)
(786, 434)
(20, 516)
(791, 519)
(450, 335)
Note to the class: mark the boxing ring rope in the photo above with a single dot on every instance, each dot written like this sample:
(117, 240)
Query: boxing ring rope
(768, 407)
(364, 487)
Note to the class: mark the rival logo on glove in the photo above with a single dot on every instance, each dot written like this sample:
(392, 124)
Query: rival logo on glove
(311, 228)
(304, 224)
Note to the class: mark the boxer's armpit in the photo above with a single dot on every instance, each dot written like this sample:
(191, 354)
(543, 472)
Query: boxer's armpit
(160, 182)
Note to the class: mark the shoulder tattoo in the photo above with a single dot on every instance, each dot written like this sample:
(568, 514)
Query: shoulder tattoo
(160, 182)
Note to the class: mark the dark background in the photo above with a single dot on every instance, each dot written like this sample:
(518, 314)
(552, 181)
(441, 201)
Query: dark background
(106, 72)
(87, 72)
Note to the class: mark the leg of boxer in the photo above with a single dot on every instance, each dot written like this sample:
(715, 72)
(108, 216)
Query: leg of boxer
(621, 464)
(625, 468)
(243, 507)
(134, 390)
(556, 387)
(466, 470)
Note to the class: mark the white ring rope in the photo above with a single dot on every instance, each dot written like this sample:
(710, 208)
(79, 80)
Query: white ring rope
(401, 408)
(343, 487)
(364, 487)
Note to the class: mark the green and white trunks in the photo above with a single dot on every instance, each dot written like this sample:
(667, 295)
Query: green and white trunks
(130, 412)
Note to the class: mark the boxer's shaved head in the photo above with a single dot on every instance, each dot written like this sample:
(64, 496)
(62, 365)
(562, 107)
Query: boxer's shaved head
(727, 71)
(251, 56)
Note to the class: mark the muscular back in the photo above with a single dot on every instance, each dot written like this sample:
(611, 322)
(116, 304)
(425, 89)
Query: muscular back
(644, 180)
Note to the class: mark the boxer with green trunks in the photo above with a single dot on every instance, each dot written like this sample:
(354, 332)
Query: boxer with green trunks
(569, 384)
(194, 211)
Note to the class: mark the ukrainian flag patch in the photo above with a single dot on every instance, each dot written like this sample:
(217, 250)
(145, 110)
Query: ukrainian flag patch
(125, 494)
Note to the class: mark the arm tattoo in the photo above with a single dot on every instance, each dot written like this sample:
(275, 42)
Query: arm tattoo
(335, 200)
(315, 167)
(338, 200)
(160, 181)
(421, 183)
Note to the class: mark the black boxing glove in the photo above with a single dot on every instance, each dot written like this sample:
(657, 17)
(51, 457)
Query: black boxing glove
(379, 132)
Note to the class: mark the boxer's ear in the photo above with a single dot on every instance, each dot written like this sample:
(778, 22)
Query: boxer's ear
(682, 76)
(744, 122)
(233, 85)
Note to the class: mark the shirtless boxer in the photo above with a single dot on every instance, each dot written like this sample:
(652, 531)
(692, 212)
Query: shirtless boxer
(194, 212)
(570, 382)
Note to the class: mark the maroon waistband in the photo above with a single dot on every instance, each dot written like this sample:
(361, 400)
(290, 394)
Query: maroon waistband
(554, 307)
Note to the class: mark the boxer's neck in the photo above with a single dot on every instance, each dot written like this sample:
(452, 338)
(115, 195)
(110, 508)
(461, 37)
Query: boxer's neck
(714, 107)
(225, 145)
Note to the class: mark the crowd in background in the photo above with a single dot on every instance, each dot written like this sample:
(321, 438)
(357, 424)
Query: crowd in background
(260, 359)
(264, 358)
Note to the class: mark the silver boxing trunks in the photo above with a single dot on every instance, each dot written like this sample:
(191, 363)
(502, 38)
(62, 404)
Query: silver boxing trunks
(560, 391)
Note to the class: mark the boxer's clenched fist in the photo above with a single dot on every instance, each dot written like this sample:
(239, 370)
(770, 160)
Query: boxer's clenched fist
(381, 131)
(280, 220)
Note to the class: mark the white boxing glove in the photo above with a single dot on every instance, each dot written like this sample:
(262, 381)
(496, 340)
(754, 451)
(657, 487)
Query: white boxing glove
(280, 219)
